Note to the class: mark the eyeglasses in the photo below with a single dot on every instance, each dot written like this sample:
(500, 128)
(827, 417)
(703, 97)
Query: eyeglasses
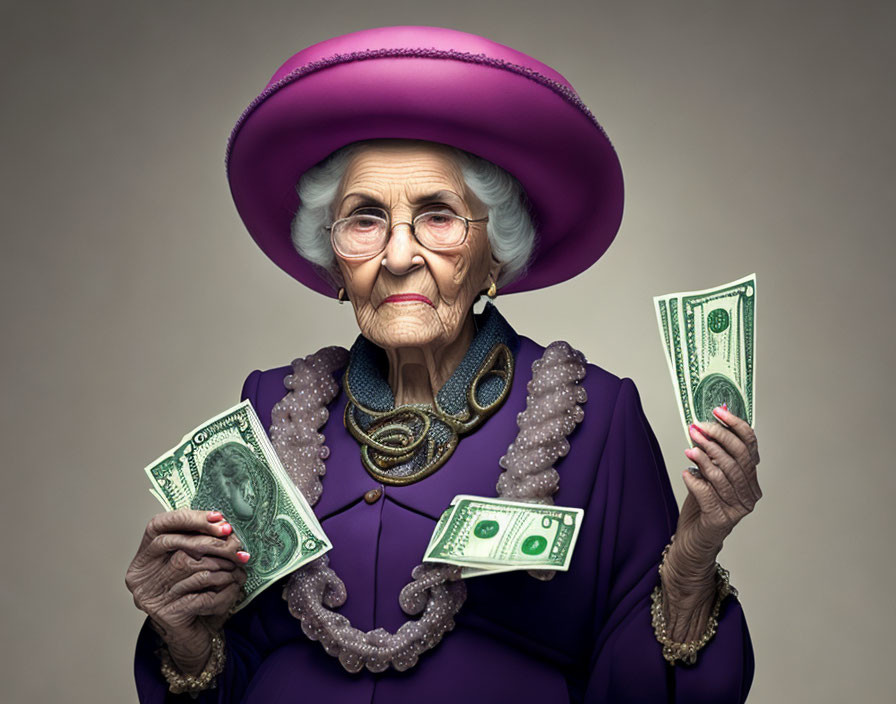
(364, 234)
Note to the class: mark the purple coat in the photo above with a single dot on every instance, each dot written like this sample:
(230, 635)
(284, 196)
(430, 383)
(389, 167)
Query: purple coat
(585, 636)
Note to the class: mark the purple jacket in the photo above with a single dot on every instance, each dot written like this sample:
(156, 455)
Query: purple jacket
(585, 636)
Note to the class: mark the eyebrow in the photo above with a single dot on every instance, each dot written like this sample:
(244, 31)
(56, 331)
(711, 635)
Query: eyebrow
(442, 195)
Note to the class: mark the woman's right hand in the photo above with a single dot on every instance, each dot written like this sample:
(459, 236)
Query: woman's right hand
(186, 575)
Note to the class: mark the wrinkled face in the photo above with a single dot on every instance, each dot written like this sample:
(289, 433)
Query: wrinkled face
(419, 297)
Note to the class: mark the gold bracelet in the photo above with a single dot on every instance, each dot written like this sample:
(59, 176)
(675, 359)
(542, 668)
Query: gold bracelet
(686, 652)
(180, 683)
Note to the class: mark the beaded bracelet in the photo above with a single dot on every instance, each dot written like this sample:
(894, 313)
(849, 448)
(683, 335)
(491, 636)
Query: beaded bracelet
(179, 683)
(686, 652)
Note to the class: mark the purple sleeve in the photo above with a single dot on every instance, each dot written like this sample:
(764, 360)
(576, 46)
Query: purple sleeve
(638, 512)
(242, 654)
(242, 659)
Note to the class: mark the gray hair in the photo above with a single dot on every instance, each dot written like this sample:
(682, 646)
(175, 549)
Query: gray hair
(511, 232)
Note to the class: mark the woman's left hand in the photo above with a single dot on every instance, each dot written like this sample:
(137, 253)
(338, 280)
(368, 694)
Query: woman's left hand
(728, 488)
(726, 491)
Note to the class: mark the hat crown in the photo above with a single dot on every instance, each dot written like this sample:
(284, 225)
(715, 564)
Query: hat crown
(410, 38)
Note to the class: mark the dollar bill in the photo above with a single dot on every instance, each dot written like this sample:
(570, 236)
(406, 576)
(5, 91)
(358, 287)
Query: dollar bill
(465, 571)
(486, 536)
(228, 464)
(709, 340)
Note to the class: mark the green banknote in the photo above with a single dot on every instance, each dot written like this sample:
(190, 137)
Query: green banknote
(228, 464)
(709, 339)
(486, 536)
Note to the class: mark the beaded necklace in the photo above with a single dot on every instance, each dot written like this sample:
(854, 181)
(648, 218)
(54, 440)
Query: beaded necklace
(436, 592)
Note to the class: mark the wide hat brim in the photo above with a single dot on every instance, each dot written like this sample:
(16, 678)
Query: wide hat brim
(440, 85)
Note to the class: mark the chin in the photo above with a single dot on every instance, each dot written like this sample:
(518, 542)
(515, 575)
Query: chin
(413, 326)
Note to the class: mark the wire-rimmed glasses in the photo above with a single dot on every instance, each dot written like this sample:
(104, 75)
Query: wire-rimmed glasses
(365, 233)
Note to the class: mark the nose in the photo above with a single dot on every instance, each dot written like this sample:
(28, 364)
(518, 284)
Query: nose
(402, 253)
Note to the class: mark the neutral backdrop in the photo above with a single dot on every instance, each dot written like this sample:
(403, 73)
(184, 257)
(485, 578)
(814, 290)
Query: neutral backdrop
(754, 137)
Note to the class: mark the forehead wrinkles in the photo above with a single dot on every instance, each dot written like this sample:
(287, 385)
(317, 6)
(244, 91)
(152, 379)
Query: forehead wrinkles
(408, 175)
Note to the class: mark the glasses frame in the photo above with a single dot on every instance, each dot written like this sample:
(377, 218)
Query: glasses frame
(392, 225)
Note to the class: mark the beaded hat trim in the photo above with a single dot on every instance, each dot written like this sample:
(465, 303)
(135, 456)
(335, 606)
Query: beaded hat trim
(565, 92)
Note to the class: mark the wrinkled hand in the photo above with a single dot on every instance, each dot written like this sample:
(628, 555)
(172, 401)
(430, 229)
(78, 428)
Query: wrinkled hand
(186, 576)
(726, 491)
(728, 488)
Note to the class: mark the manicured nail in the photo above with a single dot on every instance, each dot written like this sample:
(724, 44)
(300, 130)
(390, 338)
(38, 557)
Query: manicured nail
(717, 411)
(226, 528)
(214, 516)
(725, 405)
(242, 555)
(689, 453)
(692, 426)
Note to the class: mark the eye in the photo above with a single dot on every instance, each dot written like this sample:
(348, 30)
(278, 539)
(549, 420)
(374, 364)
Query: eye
(363, 222)
(366, 219)
(437, 218)
(436, 212)
(440, 229)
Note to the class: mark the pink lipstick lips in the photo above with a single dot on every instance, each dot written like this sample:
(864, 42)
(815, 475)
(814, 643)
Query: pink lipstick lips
(406, 298)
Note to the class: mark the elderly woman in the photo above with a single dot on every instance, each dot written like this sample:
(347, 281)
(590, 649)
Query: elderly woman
(433, 167)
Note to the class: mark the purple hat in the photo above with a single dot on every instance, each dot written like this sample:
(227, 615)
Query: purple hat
(379, 83)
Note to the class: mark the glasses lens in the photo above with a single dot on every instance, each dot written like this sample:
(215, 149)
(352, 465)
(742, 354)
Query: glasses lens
(439, 230)
(361, 234)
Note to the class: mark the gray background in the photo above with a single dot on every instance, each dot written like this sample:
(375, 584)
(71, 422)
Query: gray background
(754, 137)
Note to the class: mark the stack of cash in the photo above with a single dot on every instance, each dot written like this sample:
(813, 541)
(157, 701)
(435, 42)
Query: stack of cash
(228, 464)
(487, 536)
(709, 338)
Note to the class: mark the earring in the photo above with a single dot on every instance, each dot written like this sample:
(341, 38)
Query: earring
(341, 296)
(492, 291)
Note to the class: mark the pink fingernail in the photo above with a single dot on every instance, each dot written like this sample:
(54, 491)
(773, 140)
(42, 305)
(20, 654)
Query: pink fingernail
(689, 453)
(242, 555)
(214, 516)
(226, 528)
(692, 426)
